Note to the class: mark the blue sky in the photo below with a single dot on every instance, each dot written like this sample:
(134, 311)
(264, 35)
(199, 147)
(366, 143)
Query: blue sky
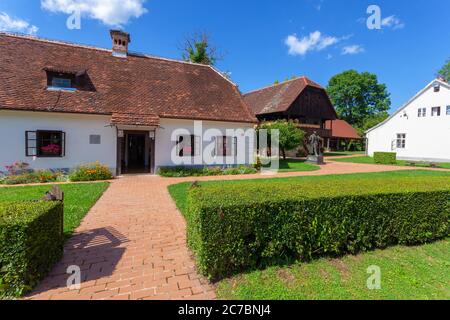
(264, 40)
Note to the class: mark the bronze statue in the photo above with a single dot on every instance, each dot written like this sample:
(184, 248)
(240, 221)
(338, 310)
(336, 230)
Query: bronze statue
(315, 144)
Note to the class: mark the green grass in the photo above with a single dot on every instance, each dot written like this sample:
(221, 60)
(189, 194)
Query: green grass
(78, 199)
(406, 273)
(402, 163)
(296, 165)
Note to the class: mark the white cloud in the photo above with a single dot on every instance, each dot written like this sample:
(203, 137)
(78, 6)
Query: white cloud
(8, 23)
(354, 49)
(110, 12)
(392, 22)
(313, 42)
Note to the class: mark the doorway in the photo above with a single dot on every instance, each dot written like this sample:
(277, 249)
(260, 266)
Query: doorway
(135, 152)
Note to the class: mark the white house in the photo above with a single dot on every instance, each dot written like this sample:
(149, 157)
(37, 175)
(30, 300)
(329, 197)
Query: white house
(420, 130)
(62, 105)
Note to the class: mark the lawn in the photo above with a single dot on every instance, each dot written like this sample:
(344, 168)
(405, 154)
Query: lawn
(370, 160)
(296, 165)
(407, 272)
(78, 199)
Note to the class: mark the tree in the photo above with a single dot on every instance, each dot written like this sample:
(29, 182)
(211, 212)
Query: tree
(197, 48)
(290, 136)
(357, 96)
(373, 120)
(445, 71)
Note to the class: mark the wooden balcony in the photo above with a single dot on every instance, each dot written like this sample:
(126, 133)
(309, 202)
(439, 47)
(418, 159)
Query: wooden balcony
(309, 130)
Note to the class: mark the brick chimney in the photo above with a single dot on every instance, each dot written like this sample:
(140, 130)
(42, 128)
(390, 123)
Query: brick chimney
(120, 41)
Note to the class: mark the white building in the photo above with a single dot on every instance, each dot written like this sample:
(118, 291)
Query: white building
(418, 131)
(63, 105)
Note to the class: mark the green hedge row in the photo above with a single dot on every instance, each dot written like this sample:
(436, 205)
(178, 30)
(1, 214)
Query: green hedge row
(182, 171)
(385, 157)
(31, 242)
(234, 227)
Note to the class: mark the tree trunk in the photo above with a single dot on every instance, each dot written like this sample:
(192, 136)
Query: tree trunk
(283, 152)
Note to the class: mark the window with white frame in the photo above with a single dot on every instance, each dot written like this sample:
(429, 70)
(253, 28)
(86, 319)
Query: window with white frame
(436, 112)
(401, 141)
(448, 111)
(422, 112)
(226, 146)
(188, 146)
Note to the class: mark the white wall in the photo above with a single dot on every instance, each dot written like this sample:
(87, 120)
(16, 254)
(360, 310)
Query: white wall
(427, 138)
(78, 128)
(164, 145)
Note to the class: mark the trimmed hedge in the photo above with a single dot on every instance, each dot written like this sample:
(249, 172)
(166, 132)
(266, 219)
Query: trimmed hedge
(31, 242)
(182, 171)
(385, 157)
(235, 227)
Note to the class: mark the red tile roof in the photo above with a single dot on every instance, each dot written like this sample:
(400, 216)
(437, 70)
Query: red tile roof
(342, 129)
(277, 98)
(149, 120)
(137, 85)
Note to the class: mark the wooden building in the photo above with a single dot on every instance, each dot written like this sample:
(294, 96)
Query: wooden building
(300, 99)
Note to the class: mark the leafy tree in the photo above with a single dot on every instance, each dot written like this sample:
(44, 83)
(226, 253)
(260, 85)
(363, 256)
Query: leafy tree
(197, 48)
(357, 96)
(445, 71)
(373, 120)
(290, 136)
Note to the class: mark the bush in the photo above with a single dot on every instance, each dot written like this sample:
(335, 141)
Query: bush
(91, 172)
(234, 227)
(31, 242)
(178, 172)
(385, 157)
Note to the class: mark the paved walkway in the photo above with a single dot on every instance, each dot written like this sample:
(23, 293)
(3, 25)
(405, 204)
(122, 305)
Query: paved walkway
(132, 244)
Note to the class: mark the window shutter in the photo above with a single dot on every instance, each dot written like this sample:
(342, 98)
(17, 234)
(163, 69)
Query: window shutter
(31, 143)
(234, 147)
(219, 146)
(229, 147)
(63, 144)
(197, 146)
(179, 145)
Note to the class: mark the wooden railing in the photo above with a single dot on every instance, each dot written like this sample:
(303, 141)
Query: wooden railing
(323, 133)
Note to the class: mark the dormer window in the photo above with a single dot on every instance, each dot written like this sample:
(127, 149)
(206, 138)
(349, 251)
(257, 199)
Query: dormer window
(65, 79)
(60, 82)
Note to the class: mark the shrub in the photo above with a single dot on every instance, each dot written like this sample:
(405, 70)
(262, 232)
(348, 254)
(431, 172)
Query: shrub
(31, 242)
(385, 157)
(178, 172)
(91, 172)
(234, 227)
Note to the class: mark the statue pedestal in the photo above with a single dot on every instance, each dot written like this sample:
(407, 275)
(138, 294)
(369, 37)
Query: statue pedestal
(315, 160)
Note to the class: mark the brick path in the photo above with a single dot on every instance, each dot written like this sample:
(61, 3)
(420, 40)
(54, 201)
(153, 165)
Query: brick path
(132, 244)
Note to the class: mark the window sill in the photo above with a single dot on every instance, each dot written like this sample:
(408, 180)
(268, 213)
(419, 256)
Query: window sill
(61, 89)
